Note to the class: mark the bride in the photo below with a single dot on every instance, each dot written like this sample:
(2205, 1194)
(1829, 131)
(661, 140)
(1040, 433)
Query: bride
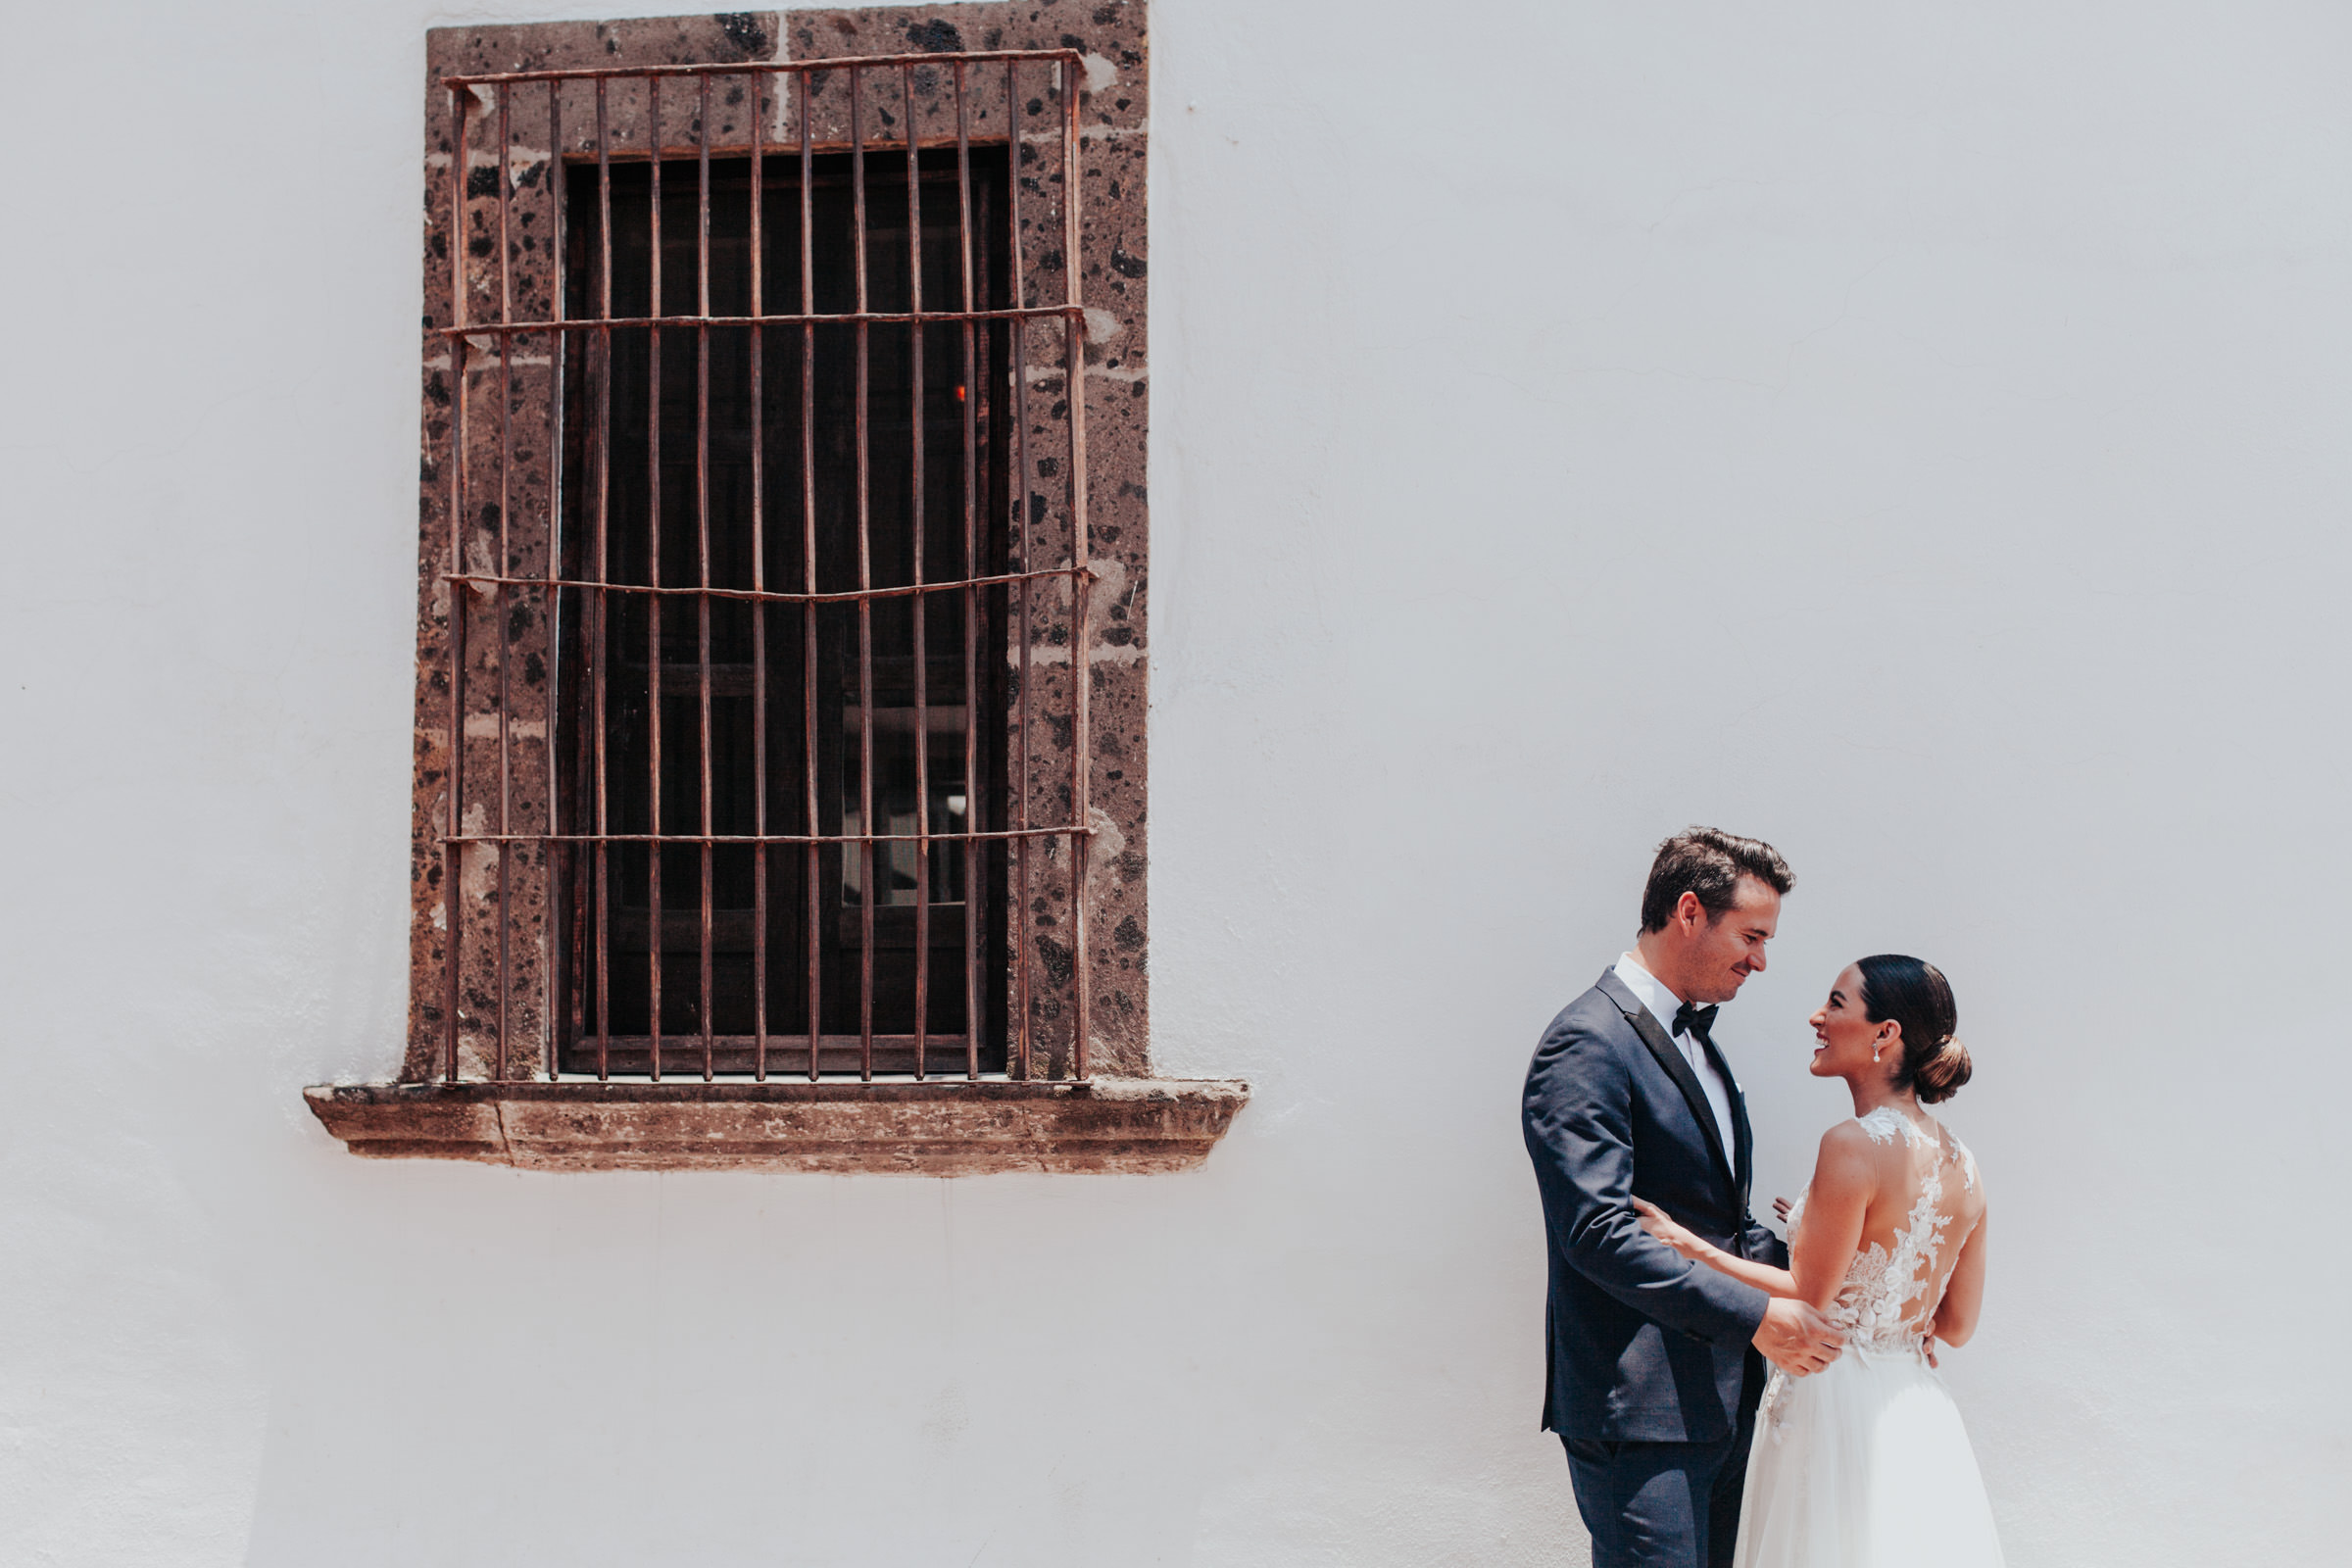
(1865, 1465)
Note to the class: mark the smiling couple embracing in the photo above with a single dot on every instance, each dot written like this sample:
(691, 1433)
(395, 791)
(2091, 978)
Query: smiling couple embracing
(1667, 1299)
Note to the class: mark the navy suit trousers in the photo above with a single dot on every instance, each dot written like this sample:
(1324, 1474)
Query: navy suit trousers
(1662, 1504)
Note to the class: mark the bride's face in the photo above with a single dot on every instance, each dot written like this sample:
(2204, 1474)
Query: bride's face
(1845, 1038)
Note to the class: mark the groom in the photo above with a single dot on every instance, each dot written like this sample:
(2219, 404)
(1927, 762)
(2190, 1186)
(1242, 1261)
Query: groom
(1651, 1383)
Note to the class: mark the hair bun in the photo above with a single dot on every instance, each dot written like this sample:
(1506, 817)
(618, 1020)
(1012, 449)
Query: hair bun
(1941, 1076)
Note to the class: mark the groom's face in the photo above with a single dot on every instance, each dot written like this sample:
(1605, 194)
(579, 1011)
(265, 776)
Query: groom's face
(1726, 949)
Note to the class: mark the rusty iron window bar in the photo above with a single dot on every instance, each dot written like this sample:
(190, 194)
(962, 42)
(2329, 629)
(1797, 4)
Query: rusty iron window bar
(805, 885)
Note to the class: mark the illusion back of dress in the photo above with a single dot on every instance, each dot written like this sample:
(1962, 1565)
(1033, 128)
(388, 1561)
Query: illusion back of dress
(1866, 1463)
(1897, 1279)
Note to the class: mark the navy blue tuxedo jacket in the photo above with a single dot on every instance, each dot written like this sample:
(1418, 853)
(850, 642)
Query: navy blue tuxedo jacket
(1644, 1345)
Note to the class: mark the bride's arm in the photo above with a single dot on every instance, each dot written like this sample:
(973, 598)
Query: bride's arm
(1964, 1290)
(1763, 1276)
(1820, 1249)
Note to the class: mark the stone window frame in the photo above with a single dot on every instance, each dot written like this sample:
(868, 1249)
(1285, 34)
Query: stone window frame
(447, 1102)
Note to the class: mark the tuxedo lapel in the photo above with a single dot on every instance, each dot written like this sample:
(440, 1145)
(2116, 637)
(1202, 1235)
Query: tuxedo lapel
(1653, 1035)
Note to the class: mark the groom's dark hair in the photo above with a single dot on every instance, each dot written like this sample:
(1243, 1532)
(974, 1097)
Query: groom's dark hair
(1709, 862)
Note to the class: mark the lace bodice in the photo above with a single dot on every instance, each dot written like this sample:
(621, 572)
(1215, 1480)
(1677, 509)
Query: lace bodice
(1887, 1302)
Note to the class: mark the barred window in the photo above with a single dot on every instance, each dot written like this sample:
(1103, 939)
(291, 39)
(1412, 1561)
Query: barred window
(767, 463)
(790, 790)
(783, 589)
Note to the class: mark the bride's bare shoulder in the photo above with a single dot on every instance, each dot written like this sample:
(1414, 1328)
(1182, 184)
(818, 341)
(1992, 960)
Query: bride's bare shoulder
(1848, 1151)
(1846, 1134)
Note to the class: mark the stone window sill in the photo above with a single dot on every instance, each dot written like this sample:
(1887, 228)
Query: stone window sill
(937, 1127)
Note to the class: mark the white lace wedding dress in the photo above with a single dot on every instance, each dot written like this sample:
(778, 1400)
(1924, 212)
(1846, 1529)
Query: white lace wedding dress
(1865, 1465)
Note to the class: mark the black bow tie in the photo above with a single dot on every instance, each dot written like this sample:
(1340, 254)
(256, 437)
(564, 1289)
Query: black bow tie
(1697, 1022)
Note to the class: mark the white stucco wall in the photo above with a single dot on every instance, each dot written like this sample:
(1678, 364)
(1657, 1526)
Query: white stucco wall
(1913, 434)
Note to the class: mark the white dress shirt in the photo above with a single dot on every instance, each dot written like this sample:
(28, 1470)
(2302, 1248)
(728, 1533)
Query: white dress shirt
(1653, 994)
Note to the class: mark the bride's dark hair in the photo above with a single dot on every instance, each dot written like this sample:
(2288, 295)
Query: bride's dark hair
(1914, 993)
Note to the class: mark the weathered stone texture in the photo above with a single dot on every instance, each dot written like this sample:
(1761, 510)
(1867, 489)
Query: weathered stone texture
(503, 395)
(926, 1129)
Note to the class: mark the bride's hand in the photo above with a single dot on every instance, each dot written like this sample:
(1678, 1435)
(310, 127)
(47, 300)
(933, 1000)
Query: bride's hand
(1658, 1223)
(1780, 1209)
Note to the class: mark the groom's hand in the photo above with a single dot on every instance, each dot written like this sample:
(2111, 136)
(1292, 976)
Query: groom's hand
(1796, 1338)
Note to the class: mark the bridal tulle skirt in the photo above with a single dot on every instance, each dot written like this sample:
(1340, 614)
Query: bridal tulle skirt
(1865, 1465)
